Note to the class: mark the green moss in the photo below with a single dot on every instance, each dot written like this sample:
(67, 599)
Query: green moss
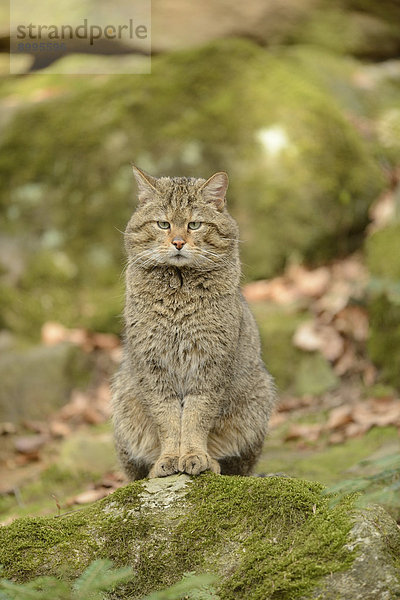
(275, 528)
(202, 110)
(327, 464)
(277, 327)
(383, 260)
(289, 525)
(314, 375)
(38, 497)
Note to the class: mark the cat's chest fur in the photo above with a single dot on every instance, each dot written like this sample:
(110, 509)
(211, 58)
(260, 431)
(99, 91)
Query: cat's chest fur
(178, 327)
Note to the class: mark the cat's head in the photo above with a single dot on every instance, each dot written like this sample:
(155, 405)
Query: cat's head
(181, 222)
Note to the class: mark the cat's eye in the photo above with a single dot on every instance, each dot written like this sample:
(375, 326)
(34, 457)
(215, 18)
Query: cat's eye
(194, 225)
(163, 224)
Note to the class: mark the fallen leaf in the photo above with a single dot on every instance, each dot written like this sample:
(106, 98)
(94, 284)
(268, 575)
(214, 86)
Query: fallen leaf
(306, 337)
(35, 426)
(54, 333)
(309, 433)
(277, 290)
(356, 429)
(90, 496)
(382, 211)
(93, 416)
(311, 283)
(59, 429)
(105, 341)
(339, 416)
(347, 361)
(353, 321)
(311, 336)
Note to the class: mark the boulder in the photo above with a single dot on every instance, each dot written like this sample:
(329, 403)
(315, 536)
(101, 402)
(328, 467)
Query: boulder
(230, 105)
(263, 537)
(38, 380)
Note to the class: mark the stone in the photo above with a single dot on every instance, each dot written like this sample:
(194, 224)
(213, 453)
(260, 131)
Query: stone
(205, 109)
(38, 380)
(260, 536)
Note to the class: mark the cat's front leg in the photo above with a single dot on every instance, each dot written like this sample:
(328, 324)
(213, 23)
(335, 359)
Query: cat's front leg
(167, 415)
(197, 420)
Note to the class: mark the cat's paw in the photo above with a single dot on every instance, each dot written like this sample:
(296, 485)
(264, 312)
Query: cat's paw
(164, 466)
(193, 464)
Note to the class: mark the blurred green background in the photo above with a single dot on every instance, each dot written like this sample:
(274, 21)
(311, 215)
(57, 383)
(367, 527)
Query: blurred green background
(298, 101)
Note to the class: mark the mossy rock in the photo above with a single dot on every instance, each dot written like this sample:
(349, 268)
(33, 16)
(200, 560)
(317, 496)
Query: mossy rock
(383, 259)
(231, 105)
(264, 538)
(38, 380)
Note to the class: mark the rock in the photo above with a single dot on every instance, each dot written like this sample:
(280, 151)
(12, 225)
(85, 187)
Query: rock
(202, 110)
(38, 380)
(383, 259)
(261, 536)
(364, 29)
(314, 375)
(93, 454)
(377, 543)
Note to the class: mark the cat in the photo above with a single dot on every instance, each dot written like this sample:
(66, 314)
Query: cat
(192, 393)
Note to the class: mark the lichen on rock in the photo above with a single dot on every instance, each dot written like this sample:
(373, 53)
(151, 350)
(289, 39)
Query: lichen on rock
(264, 537)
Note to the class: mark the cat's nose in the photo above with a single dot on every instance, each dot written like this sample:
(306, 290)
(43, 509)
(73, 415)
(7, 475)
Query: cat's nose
(178, 243)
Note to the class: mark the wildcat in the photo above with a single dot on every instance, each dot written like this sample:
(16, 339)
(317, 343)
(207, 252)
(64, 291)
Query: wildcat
(192, 393)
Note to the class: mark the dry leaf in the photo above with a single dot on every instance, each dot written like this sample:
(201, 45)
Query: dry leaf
(356, 429)
(105, 341)
(313, 283)
(90, 496)
(311, 336)
(306, 337)
(309, 433)
(277, 290)
(93, 416)
(339, 416)
(382, 211)
(353, 321)
(59, 429)
(35, 426)
(347, 361)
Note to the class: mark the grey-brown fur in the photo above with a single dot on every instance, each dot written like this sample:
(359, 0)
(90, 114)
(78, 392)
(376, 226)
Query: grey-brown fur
(192, 392)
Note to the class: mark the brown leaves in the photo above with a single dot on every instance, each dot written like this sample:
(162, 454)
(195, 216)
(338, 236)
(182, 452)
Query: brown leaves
(109, 483)
(311, 336)
(348, 421)
(338, 324)
(55, 333)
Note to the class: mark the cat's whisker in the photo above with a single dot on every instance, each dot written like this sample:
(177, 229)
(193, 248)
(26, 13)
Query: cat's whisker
(123, 232)
(233, 240)
(141, 255)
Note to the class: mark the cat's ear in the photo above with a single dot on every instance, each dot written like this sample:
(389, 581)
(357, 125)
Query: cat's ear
(214, 189)
(145, 183)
